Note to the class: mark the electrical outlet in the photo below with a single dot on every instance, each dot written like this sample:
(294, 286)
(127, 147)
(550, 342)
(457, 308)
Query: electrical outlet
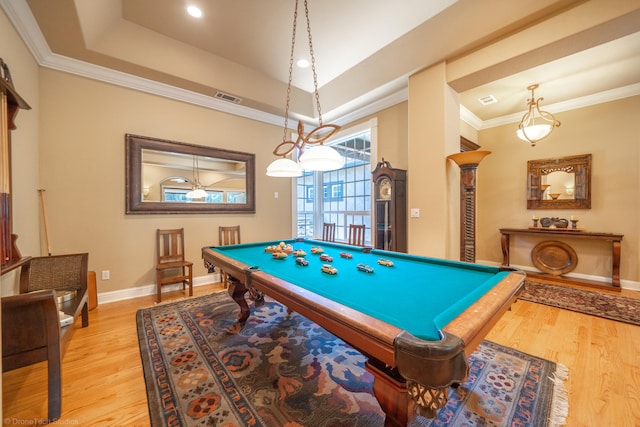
(105, 275)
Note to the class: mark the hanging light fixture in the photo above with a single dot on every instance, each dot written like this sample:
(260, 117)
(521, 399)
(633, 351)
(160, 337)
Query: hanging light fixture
(319, 157)
(196, 191)
(536, 124)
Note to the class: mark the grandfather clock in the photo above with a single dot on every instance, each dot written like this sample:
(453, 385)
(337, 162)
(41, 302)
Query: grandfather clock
(390, 195)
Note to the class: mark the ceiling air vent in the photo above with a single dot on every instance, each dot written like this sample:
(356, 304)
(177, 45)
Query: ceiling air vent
(227, 97)
(486, 100)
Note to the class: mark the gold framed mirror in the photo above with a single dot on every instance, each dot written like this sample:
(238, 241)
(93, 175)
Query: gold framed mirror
(559, 183)
(162, 176)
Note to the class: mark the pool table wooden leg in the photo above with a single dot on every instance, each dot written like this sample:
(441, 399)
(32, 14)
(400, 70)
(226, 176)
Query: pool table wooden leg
(236, 290)
(392, 396)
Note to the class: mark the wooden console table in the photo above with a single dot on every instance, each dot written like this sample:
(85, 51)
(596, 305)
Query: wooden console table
(558, 233)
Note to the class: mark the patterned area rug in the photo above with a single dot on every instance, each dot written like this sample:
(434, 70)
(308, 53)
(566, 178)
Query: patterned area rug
(614, 307)
(203, 369)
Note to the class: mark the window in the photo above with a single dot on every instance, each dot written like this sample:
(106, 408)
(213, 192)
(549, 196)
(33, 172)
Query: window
(236, 197)
(345, 193)
(332, 190)
(310, 192)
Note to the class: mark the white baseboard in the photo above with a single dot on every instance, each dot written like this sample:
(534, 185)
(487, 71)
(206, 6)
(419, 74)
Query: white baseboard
(141, 291)
(624, 284)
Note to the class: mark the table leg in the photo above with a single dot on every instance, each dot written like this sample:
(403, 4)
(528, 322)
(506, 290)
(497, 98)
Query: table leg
(85, 315)
(391, 392)
(615, 269)
(236, 290)
(504, 240)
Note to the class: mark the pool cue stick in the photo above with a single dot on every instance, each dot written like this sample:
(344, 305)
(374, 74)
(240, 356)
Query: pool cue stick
(44, 219)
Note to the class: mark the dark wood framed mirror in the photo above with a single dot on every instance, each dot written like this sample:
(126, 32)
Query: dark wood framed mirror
(559, 183)
(162, 176)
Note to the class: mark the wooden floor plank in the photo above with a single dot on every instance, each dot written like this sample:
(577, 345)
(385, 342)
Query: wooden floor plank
(103, 384)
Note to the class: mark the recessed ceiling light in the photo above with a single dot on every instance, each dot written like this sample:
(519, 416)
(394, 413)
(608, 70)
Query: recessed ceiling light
(302, 63)
(194, 11)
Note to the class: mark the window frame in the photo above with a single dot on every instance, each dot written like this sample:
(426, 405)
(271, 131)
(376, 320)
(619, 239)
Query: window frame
(317, 215)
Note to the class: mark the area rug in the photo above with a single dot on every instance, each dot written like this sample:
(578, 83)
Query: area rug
(202, 368)
(609, 306)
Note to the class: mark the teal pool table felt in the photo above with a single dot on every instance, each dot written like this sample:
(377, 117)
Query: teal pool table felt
(418, 294)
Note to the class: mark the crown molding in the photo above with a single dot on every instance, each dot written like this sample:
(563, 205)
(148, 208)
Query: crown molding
(469, 118)
(572, 104)
(20, 15)
(25, 24)
(370, 108)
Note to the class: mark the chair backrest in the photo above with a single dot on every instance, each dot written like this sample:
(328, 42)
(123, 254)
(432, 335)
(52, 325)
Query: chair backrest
(229, 235)
(55, 272)
(329, 231)
(170, 245)
(356, 235)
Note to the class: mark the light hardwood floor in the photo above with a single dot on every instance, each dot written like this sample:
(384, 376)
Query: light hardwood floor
(103, 384)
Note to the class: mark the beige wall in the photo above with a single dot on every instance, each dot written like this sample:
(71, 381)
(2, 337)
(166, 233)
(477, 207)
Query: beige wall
(82, 170)
(72, 144)
(392, 134)
(611, 133)
(83, 123)
(434, 133)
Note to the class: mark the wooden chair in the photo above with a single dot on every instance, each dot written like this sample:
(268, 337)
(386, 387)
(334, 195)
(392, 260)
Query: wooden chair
(329, 231)
(356, 235)
(171, 259)
(31, 334)
(228, 235)
(61, 273)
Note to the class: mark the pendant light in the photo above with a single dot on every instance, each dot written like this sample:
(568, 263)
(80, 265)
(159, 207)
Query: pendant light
(536, 124)
(319, 157)
(196, 191)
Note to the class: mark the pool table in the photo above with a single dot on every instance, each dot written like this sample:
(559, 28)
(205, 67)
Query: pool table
(416, 320)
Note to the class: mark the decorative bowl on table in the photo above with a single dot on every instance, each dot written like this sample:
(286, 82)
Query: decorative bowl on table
(554, 196)
(554, 222)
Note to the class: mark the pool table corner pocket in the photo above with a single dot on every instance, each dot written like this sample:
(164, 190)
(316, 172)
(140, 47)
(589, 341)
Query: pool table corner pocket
(430, 368)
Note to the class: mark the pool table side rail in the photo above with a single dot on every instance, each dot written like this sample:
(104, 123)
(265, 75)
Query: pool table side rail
(223, 262)
(367, 334)
(436, 261)
(473, 324)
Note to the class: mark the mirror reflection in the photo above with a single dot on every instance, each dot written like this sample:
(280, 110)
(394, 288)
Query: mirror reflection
(174, 177)
(558, 185)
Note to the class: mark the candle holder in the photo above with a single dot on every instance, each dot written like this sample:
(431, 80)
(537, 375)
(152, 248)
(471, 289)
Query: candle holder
(574, 223)
(535, 222)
